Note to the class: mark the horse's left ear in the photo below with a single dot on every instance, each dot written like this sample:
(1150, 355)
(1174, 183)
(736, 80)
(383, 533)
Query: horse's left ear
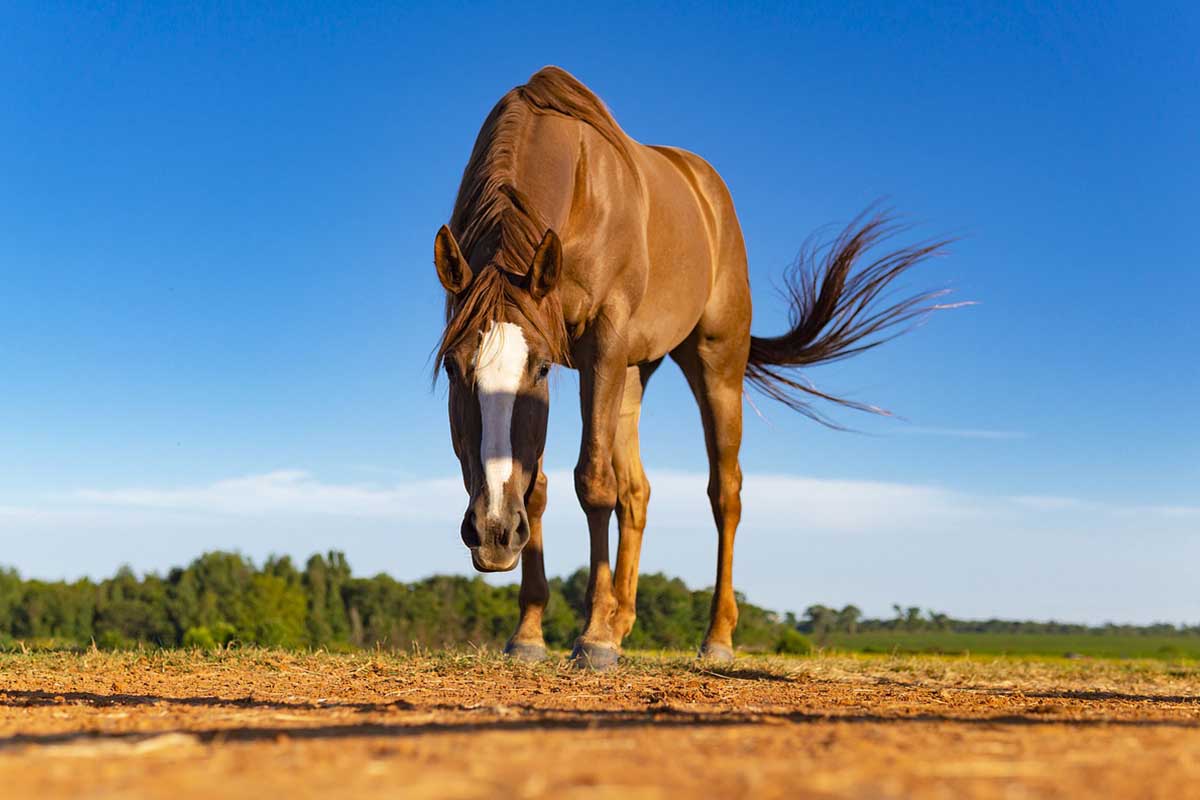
(546, 266)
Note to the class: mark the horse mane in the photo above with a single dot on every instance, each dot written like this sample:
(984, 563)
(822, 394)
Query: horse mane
(497, 227)
(552, 90)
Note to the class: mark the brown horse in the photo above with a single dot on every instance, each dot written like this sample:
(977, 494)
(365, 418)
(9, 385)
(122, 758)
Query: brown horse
(572, 244)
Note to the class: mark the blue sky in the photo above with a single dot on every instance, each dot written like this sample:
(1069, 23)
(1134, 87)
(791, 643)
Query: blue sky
(218, 301)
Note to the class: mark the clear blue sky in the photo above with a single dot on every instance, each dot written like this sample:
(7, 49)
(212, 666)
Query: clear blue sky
(217, 298)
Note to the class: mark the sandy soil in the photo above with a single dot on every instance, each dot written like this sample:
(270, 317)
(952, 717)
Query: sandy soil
(266, 724)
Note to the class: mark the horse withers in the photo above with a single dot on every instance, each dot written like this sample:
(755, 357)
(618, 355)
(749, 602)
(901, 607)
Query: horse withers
(571, 244)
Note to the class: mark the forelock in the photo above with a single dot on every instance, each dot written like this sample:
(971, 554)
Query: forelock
(493, 298)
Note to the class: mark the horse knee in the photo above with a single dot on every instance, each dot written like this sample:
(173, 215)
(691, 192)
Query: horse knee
(634, 496)
(725, 491)
(535, 500)
(596, 487)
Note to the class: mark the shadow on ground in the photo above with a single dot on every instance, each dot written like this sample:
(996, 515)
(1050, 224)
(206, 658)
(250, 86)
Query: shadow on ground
(518, 718)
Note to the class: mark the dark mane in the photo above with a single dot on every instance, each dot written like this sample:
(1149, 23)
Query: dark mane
(496, 225)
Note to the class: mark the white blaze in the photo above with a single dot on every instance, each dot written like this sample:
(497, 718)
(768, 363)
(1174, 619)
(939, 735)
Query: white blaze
(499, 365)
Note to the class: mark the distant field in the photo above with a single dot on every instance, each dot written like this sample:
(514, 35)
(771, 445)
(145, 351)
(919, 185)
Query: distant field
(1043, 644)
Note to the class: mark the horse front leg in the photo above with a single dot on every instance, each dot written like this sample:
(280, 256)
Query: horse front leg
(527, 644)
(633, 496)
(601, 387)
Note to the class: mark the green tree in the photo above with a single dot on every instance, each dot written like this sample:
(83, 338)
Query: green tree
(56, 610)
(10, 600)
(216, 587)
(220, 597)
(821, 619)
(325, 578)
(277, 611)
(848, 617)
(129, 610)
(912, 618)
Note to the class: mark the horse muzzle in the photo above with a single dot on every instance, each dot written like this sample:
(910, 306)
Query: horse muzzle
(495, 544)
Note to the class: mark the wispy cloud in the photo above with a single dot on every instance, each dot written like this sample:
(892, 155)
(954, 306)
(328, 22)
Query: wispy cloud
(1176, 511)
(802, 538)
(791, 502)
(286, 492)
(1050, 502)
(1141, 511)
(963, 433)
(678, 500)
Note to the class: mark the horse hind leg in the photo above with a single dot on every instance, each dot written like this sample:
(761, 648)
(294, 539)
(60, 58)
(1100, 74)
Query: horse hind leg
(633, 496)
(715, 369)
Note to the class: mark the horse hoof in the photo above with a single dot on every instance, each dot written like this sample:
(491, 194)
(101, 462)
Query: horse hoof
(523, 651)
(598, 657)
(719, 653)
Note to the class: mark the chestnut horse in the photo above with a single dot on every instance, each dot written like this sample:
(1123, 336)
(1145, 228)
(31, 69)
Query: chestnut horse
(571, 244)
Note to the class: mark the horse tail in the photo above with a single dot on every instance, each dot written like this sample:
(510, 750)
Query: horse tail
(836, 313)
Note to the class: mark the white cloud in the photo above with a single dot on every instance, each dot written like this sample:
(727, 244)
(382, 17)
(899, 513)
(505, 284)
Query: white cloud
(1049, 502)
(1175, 511)
(963, 433)
(287, 492)
(678, 500)
(792, 501)
(802, 539)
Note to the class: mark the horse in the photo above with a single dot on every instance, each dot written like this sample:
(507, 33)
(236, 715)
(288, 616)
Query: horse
(570, 244)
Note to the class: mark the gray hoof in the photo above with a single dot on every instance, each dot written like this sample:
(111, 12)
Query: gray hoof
(599, 657)
(719, 653)
(523, 651)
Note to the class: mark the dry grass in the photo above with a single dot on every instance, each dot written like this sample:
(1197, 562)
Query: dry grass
(246, 722)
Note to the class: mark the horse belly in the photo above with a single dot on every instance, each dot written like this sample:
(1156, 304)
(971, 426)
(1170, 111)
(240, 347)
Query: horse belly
(680, 268)
(676, 293)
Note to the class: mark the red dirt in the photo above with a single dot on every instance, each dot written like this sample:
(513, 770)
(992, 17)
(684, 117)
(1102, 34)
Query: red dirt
(250, 724)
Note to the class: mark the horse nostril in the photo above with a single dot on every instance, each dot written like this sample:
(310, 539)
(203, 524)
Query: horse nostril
(469, 533)
(521, 526)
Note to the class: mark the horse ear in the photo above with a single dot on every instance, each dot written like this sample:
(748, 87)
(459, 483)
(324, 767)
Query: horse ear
(546, 267)
(453, 270)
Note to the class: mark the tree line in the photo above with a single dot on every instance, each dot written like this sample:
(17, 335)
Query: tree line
(820, 620)
(222, 598)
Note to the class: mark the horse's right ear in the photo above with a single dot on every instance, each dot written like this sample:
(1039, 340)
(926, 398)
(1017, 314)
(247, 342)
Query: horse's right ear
(546, 266)
(453, 270)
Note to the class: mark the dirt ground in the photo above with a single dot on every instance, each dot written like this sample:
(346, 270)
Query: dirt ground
(266, 724)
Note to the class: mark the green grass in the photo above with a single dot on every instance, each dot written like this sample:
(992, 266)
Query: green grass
(1042, 644)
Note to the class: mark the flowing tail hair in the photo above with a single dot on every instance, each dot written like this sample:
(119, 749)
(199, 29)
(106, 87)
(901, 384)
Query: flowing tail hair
(834, 311)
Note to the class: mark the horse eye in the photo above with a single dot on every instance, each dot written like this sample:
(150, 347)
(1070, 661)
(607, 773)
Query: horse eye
(451, 370)
(542, 371)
